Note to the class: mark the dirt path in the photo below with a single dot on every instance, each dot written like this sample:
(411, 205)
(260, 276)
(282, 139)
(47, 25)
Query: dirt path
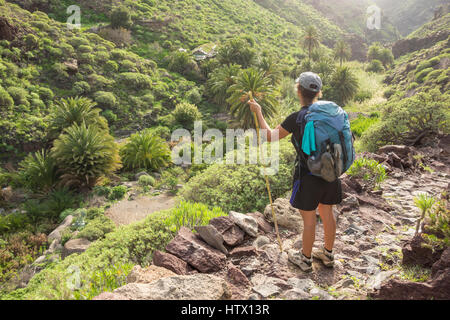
(128, 211)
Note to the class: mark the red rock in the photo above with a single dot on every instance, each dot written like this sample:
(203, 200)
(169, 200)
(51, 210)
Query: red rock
(222, 224)
(171, 262)
(238, 283)
(263, 225)
(234, 236)
(442, 264)
(415, 254)
(243, 252)
(376, 202)
(197, 253)
(236, 276)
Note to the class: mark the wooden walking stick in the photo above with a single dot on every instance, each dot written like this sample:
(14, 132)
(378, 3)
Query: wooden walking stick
(266, 177)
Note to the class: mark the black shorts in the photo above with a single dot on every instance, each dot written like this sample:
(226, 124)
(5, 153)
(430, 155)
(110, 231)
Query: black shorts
(309, 191)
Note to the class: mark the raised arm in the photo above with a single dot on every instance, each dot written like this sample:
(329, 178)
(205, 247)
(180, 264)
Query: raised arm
(271, 134)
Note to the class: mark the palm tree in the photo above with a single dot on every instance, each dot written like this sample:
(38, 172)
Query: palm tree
(75, 111)
(424, 202)
(344, 85)
(84, 154)
(220, 80)
(342, 51)
(145, 150)
(263, 92)
(311, 39)
(271, 69)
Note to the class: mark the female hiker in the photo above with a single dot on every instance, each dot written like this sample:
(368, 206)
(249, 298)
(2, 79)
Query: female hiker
(310, 192)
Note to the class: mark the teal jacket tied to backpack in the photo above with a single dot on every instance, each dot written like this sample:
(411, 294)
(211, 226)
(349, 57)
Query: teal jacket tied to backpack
(328, 140)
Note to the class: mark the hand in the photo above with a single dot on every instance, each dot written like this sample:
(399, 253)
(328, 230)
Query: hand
(254, 106)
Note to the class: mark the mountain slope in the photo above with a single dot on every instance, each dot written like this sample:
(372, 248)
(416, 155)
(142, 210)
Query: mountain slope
(351, 16)
(40, 59)
(409, 15)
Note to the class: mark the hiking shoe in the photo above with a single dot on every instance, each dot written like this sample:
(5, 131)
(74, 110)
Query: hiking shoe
(300, 260)
(326, 257)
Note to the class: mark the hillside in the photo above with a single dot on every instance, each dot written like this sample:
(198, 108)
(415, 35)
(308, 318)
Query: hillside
(351, 16)
(42, 59)
(409, 15)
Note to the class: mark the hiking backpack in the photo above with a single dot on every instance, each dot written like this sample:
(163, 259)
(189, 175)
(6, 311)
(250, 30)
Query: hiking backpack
(332, 152)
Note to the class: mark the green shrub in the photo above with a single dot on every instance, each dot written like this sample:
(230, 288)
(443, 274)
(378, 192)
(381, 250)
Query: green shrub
(84, 154)
(375, 66)
(406, 119)
(368, 170)
(19, 95)
(135, 81)
(121, 17)
(146, 181)
(145, 150)
(190, 215)
(110, 116)
(241, 187)
(185, 114)
(39, 172)
(363, 96)
(102, 191)
(361, 124)
(420, 76)
(117, 193)
(6, 101)
(97, 228)
(427, 64)
(105, 99)
(81, 87)
(134, 244)
(389, 93)
(436, 232)
(111, 66)
(105, 280)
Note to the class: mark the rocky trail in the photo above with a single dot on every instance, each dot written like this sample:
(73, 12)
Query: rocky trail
(237, 257)
(137, 208)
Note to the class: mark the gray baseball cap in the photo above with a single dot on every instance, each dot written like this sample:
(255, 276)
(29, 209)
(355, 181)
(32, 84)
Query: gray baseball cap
(310, 81)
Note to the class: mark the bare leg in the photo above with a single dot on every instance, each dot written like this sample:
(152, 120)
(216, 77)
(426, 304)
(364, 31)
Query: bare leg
(309, 231)
(329, 225)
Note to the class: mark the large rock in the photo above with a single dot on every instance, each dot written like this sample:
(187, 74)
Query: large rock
(377, 280)
(57, 233)
(263, 225)
(149, 274)
(268, 286)
(238, 282)
(222, 224)
(75, 246)
(188, 287)
(438, 288)
(232, 234)
(211, 236)
(287, 216)
(415, 254)
(198, 254)
(171, 262)
(243, 252)
(245, 222)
